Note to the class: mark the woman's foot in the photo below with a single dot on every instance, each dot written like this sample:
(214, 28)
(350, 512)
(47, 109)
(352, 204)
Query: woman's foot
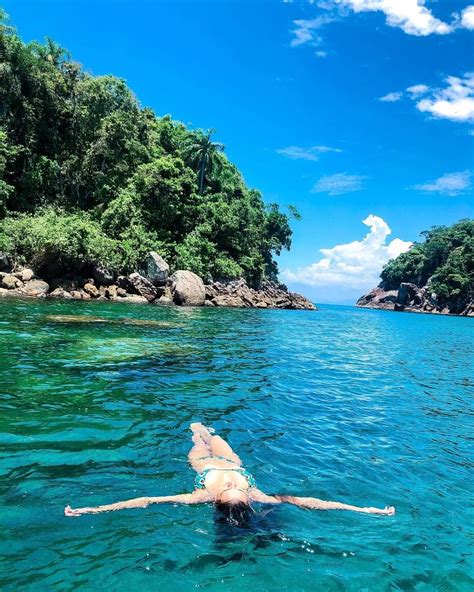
(202, 431)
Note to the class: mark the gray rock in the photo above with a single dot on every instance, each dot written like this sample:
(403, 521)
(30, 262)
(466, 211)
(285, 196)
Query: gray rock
(125, 284)
(143, 286)
(35, 288)
(10, 282)
(102, 276)
(25, 275)
(60, 293)
(187, 288)
(135, 299)
(406, 292)
(155, 269)
(4, 262)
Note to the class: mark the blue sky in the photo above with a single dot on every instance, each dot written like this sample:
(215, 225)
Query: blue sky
(293, 90)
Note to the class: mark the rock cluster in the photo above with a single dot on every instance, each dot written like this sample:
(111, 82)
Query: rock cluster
(270, 295)
(152, 285)
(411, 298)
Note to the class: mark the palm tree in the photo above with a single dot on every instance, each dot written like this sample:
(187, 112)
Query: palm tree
(203, 154)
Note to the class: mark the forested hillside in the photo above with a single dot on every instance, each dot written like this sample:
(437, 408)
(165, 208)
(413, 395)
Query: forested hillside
(89, 176)
(436, 275)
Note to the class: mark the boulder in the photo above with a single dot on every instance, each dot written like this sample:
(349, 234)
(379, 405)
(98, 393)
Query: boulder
(111, 292)
(155, 269)
(35, 288)
(125, 284)
(121, 293)
(80, 295)
(143, 286)
(10, 282)
(25, 275)
(102, 276)
(60, 293)
(187, 288)
(4, 262)
(136, 299)
(65, 284)
(91, 290)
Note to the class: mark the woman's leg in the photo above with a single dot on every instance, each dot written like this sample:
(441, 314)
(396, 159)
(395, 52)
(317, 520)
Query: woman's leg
(202, 445)
(220, 447)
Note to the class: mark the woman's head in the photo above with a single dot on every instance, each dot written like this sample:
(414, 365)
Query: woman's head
(235, 510)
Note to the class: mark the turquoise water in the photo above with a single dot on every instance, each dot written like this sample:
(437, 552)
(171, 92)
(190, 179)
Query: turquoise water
(363, 406)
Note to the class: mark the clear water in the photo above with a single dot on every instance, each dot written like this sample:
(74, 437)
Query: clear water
(363, 406)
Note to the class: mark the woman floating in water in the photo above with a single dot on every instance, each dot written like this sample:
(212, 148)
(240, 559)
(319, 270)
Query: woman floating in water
(222, 479)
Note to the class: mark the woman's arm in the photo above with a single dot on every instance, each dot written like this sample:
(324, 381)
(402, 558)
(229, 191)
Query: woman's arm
(317, 504)
(196, 497)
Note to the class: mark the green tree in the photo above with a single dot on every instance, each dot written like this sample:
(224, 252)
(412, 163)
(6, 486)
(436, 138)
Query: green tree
(202, 153)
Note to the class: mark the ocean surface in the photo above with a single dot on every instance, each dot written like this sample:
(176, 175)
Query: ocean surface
(362, 406)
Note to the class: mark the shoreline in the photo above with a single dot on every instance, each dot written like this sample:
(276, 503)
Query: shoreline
(183, 289)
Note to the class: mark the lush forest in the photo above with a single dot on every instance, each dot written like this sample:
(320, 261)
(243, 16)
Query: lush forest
(444, 262)
(88, 176)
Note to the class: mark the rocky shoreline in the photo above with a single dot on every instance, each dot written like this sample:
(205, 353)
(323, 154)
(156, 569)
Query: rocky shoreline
(412, 298)
(150, 284)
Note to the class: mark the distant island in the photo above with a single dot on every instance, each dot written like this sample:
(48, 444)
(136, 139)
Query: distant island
(434, 276)
(93, 186)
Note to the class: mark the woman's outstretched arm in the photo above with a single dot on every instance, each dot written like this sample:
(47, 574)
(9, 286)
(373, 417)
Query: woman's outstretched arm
(196, 497)
(313, 503)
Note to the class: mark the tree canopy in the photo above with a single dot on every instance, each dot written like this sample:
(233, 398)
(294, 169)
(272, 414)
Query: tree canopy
(88, 175)
(444, 261)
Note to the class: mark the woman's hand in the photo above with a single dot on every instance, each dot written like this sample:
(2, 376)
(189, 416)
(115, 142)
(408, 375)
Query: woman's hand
(68, 511)
(387, 511)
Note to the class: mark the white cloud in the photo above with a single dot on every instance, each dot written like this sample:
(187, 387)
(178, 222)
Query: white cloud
(338, 184)
(356, 265)
(449, 184)
(391, 97)
(467, 18)
(454, 102)
(321, 54)
(311, 153)
(418, 89)
(305, 31)
(411, 16)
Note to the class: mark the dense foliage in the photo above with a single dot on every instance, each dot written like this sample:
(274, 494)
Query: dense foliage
(445, 261)
(88, 176)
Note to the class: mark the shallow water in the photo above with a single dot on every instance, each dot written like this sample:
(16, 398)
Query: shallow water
(367, 407)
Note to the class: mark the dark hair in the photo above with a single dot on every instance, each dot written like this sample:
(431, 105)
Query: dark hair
(237, 513)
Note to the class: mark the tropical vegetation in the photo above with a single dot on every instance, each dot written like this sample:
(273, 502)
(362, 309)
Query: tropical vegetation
(88, 176)
(444, 262)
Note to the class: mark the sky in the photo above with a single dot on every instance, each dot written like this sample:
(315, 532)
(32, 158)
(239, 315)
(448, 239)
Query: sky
(358, 112)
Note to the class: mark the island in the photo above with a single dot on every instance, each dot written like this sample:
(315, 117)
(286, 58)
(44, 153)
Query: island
(433, 276)
(100, 198)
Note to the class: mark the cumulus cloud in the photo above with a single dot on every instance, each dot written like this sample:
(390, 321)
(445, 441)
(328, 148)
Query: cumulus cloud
(451, 184)
(338, 184)
(391, 97)
(300, 153)
(454, 102)
(355, 265)
(467, 18)
(321, 54)
(409, 15)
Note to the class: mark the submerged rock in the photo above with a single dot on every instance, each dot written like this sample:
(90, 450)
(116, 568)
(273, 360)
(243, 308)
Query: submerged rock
(85, 319)
(187, 288)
